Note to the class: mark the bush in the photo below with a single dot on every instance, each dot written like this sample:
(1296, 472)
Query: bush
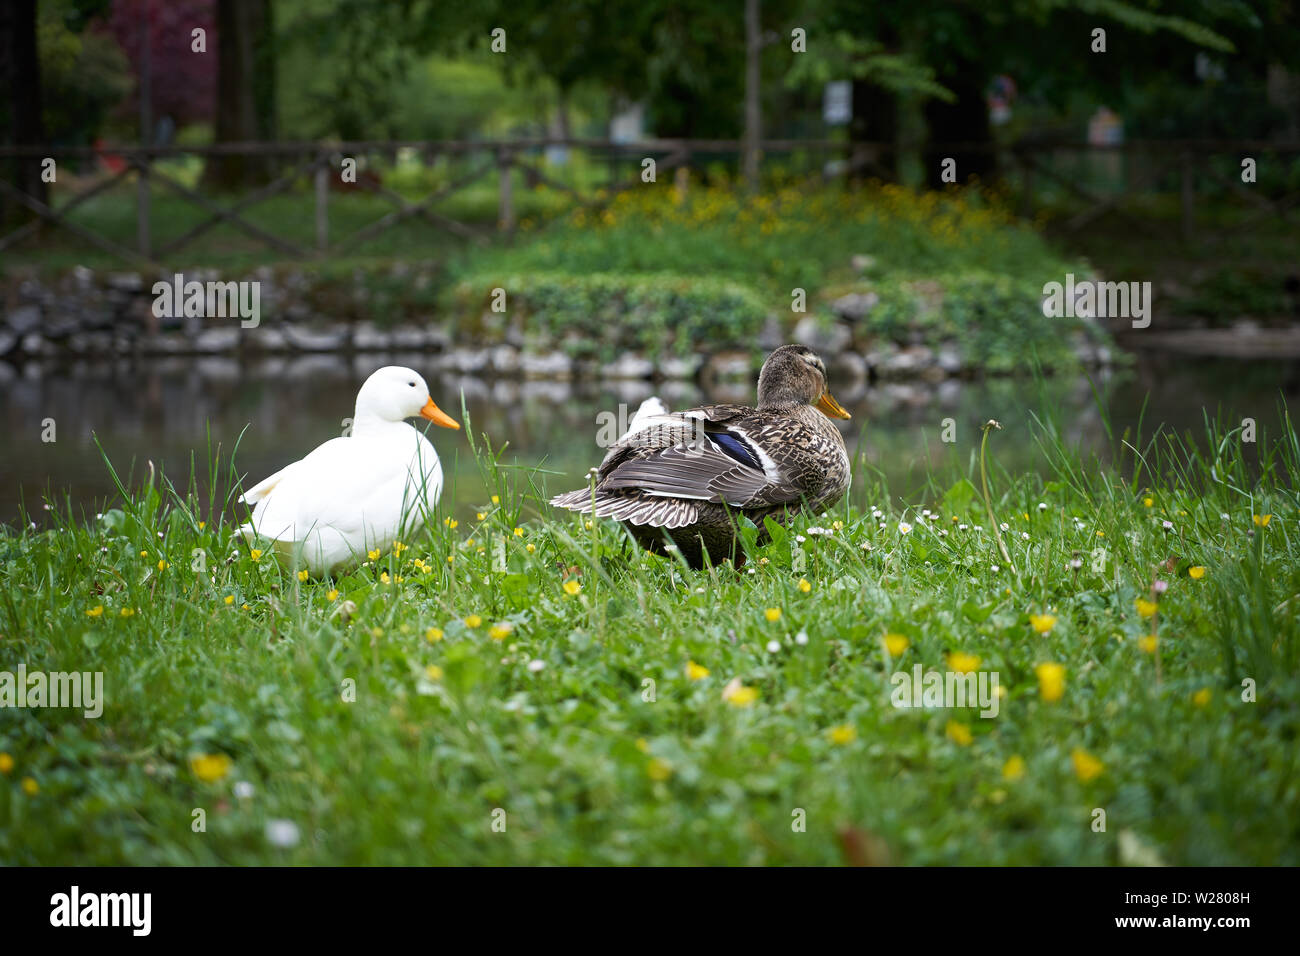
(995, 321)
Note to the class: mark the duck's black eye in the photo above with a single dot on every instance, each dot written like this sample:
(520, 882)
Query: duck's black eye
(412, 384)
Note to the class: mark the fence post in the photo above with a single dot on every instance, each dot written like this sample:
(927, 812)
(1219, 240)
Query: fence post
(322, 203)
(143, 243)
(506, 204)
(1188, 196)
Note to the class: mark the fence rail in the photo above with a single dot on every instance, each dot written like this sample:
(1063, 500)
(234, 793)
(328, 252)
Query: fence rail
(1145, 163)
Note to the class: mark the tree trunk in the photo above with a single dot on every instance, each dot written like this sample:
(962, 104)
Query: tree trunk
(875, 120)
(20, 75)
(753, 94)
(245, 92)
(966, 120)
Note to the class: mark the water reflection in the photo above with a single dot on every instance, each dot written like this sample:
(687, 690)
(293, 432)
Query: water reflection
(171, 410)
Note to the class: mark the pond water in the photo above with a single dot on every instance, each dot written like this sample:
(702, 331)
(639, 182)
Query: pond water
(170, 411)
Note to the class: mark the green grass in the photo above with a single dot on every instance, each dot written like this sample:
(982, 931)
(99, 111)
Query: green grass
(610, 753)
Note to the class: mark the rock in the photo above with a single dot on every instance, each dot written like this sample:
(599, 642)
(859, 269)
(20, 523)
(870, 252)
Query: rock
(91, 343)
(549, 365)
(35, 344)
(628, 366)
(727, 365)
(825, 338)
(468, 361)
(60, 328)
(216, 340)
(949, 359)
(367, 338)
(906, 363)
(772, 335)
(848, 369)
(680, 369)
(504, 359)
(316, 340)
(408, 337)
(125, 282)
(855, 306)
(266, 338)
(8, 342)
(24, 319)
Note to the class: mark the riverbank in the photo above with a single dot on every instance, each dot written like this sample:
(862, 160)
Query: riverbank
(582, 703)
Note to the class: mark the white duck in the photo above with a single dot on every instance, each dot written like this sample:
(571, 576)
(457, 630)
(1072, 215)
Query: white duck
(357, 493)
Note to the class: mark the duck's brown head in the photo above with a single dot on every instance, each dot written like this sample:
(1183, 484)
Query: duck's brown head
(795, 375)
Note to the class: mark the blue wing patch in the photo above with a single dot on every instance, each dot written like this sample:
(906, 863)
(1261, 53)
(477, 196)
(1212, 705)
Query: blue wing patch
(737, 448)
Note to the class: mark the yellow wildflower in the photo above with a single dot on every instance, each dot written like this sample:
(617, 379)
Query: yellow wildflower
(1196, 573)
(303, 575)
(500, 631)
(473, 621)
(773, 614)
(255, 554)
(1042, 623)
(127, 612)
(531, 548)
(1086, 766)
(31, 787)
(1261, 521)
(373, 554)
(572, 587)
(210, 767)
(843, 734)
(804, 586)
(433, 672)
(332, 595)
(1051, 681)
(433, 635)
(696, 672)
(1014, 768)
(896, 644)
(1202, 697)
(958, 733)
(658, 769)
(1147, 643)
(230, 599)
(451, 523)
(162, 565)
(962, 663)
(1144, 607)
(95, 611)
(6, 763)
(519, 532)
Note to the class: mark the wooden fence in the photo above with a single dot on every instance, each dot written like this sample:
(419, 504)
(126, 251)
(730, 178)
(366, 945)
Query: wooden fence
(1146, 166)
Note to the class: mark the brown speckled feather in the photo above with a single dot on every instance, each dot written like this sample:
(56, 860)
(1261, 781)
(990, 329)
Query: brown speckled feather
(681, 478)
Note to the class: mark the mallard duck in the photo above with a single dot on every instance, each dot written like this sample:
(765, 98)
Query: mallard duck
(681, 478)
(359, 492)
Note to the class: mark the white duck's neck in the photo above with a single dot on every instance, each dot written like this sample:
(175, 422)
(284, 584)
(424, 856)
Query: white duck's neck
(369, 425)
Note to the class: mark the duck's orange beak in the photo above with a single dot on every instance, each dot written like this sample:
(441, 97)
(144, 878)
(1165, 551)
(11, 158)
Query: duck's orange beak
(437, 415)
(830, 407)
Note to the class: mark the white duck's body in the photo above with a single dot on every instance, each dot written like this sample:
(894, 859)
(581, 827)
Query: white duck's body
(358, 493)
